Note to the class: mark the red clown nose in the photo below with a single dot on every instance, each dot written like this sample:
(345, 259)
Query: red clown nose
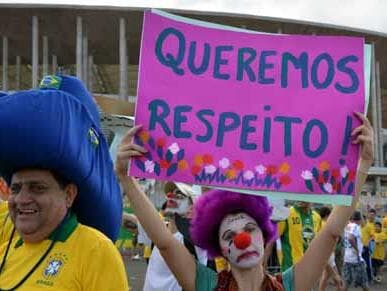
(242, 240)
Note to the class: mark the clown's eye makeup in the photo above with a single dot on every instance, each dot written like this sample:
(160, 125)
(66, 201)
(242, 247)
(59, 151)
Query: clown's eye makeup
(178, 194)
(228, 235)
(250, 227)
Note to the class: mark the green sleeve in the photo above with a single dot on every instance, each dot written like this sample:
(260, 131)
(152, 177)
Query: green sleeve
(288, 279)
(206, 278)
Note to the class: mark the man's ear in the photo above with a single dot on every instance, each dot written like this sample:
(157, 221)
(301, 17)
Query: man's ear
(71, 192)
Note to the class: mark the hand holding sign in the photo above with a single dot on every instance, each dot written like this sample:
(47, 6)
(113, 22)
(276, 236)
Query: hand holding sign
(364, 135)
(127, 150)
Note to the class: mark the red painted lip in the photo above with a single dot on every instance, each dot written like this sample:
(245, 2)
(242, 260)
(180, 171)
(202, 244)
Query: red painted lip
(171, 204)
(246, 255)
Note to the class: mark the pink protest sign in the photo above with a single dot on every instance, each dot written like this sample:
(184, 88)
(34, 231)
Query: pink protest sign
(249, 111)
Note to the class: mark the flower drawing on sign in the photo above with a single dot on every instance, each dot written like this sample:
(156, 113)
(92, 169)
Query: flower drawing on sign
(261, 169)
(330, 180)
(238, 165)
(164, 157)
(160, 157)
(328, 187)
(248, 175)
(198, 160)
(237, 172)
(210, 169)
(284, 168)
(207, 159)
(285, 180)
(182, 165)
(271, 170)
(308, 177)
(149, 166)
(224, 163)
(174, 148)
(344, 171)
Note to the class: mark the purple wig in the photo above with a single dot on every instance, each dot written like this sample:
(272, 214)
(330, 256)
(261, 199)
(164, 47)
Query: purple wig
(213, 206)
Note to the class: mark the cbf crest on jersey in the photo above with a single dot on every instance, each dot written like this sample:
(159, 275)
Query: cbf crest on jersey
(54, 265)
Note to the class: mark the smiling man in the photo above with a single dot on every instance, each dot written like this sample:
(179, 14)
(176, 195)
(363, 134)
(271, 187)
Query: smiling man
(54, 250)
(42, 244)
(39, 202)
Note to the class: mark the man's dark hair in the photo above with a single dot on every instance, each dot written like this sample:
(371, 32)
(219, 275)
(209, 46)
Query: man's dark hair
(62, 181)
(356, 216)
(59, 178)
(372, 210)
(324, 211)
(378, 223)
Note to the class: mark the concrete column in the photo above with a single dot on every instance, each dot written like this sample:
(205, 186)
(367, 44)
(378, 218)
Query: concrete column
(374, 104)
(375, 114)
(123, 92)
(280, 29)
(84, 57)
(79, 48)
(45, 56)
(5, 63)
(54, 64)
(90, 64)
(380, 114)
(18, 67)
(35, 51)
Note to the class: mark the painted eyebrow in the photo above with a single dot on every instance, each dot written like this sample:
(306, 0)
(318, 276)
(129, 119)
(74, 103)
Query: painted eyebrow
(251, 223)
(225, 233)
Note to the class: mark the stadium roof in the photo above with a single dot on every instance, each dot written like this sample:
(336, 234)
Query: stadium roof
(57, 20)
(366, 16)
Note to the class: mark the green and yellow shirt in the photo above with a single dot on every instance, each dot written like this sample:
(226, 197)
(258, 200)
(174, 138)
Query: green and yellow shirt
(5, 223)
(296, 233)
(81, 259)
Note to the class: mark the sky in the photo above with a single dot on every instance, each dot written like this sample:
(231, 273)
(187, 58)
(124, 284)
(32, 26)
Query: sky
(369, 15)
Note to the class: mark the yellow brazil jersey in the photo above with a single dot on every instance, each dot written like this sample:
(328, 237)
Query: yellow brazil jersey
(6, 225)
(81, 259)
(384, 224)
(380, 239)
(3, 218)
(367, 231)
(296, 233)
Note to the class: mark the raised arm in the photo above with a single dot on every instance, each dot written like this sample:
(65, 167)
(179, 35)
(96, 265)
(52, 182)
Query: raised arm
(177, 257)
(309, 269)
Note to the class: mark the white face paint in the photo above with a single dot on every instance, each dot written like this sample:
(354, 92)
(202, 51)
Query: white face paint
(231, 226)
(177, 203)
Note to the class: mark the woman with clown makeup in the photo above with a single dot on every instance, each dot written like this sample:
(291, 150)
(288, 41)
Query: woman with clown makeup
(237, 227)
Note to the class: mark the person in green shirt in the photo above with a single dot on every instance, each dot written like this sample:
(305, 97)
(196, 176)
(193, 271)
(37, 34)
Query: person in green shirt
(297, 232)
(238, 234)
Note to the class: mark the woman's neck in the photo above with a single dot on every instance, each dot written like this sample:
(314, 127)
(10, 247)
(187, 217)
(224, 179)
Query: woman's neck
(249, 279)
